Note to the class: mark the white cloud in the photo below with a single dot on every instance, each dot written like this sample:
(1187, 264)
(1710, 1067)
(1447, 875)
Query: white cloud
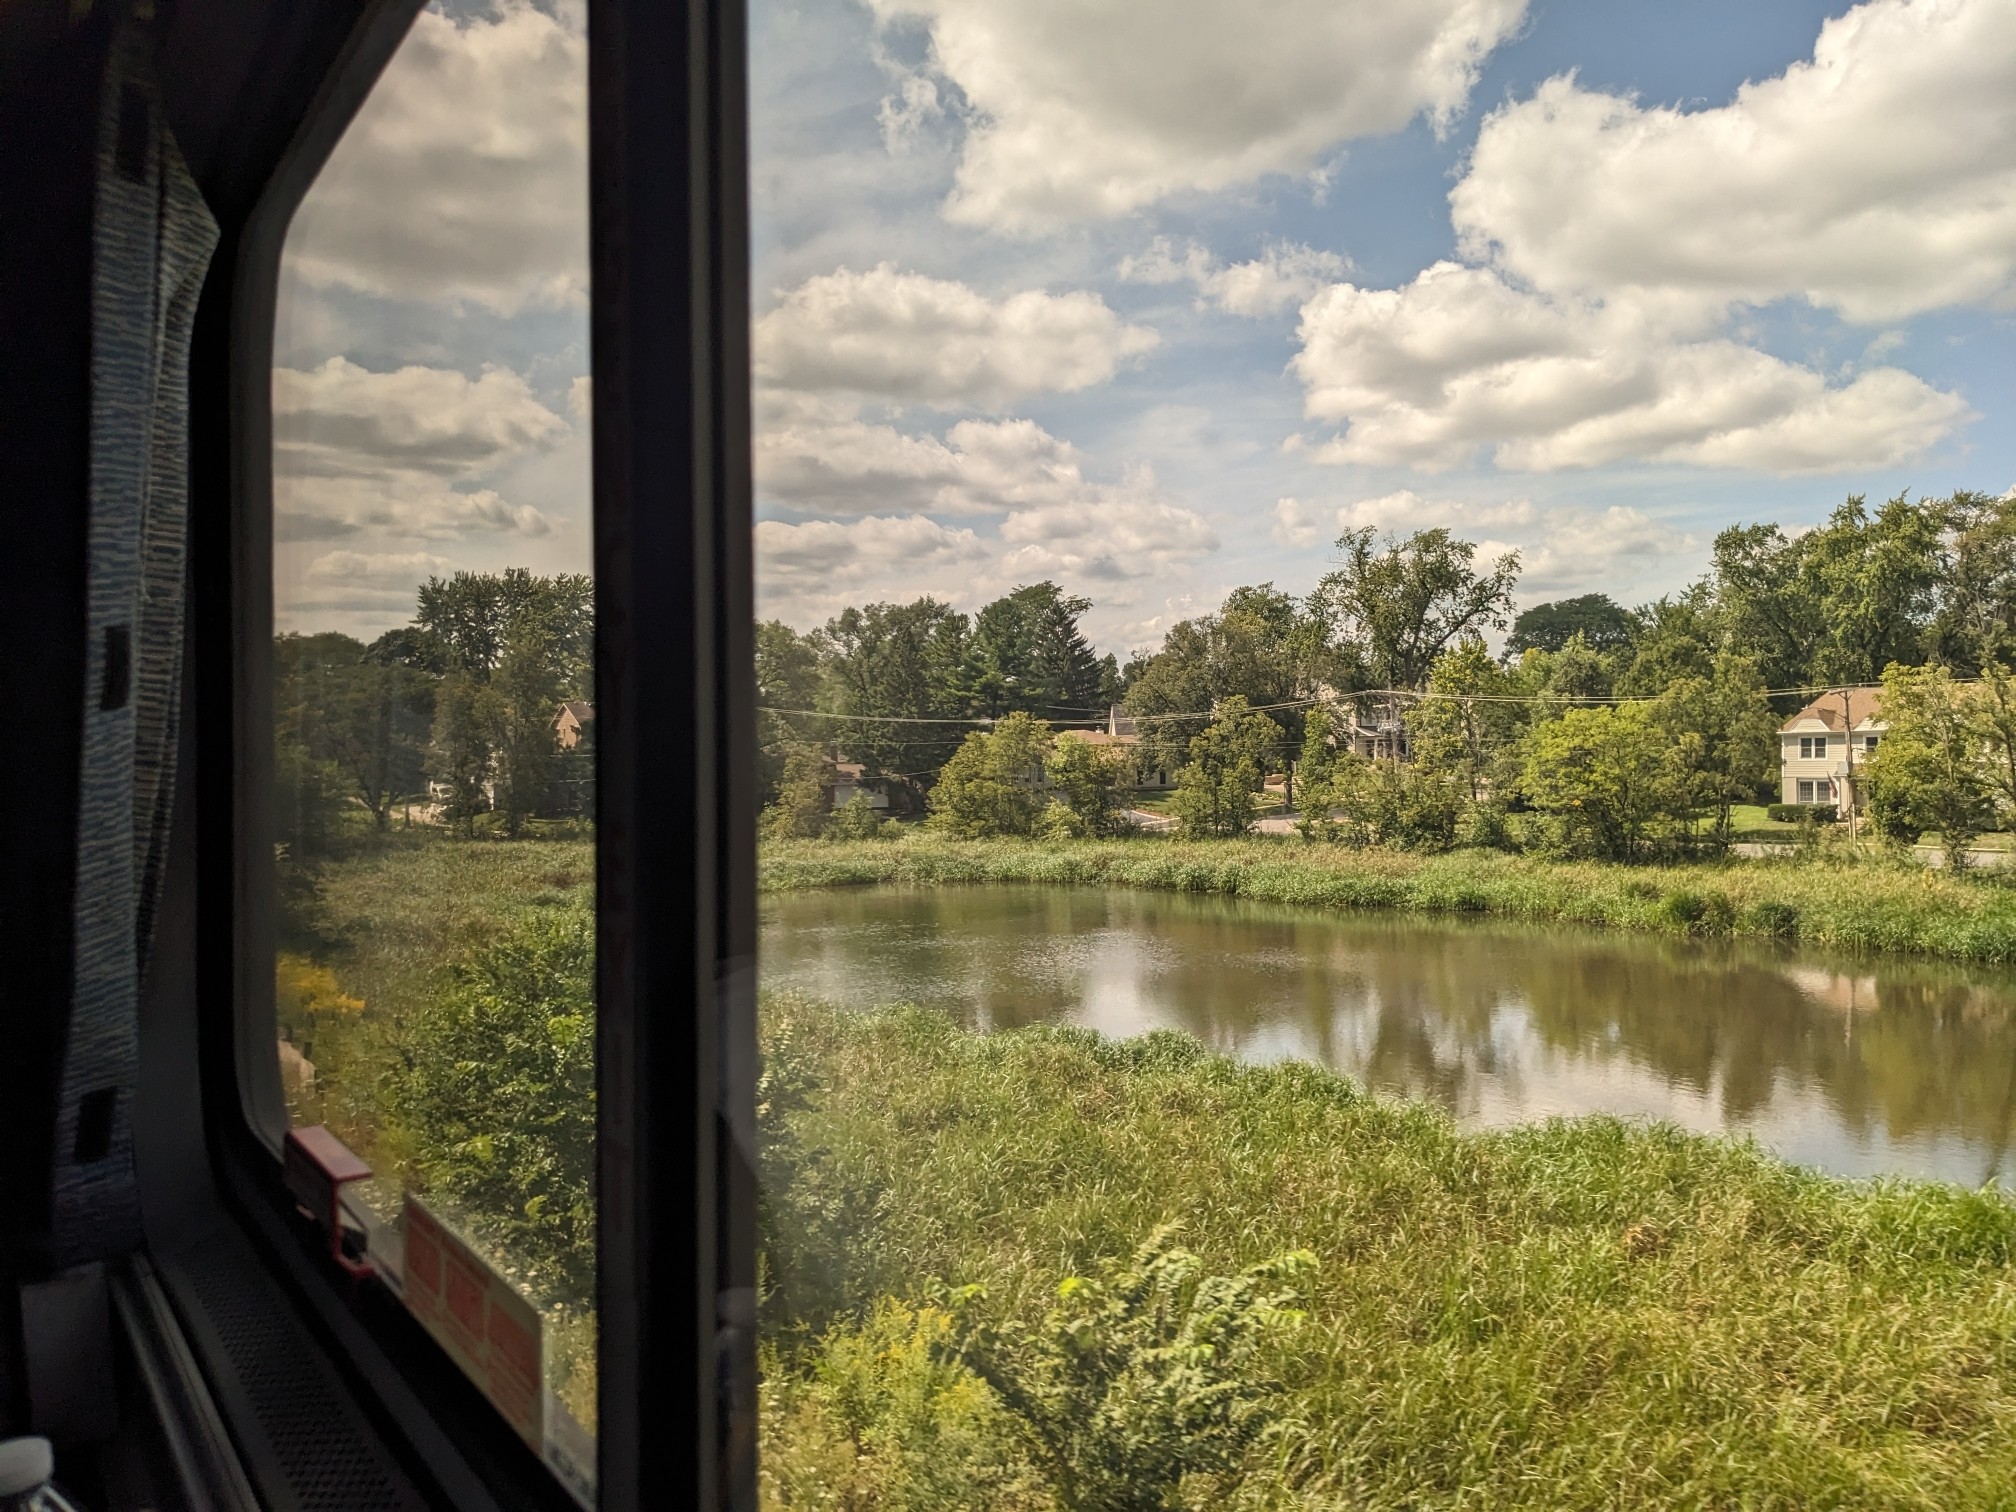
(908, 337)
(402, 453)
(1129, 534)
(833, 553)
(402, 570)
(1563, 548)
(1458, 360)
(464, 175)
(1283, 276)
(1877, 179)
(1085, 108)
(1294, 523)
(907, 112)
(339, 418)
(821, 455)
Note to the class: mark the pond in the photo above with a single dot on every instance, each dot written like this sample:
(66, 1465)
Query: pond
(1858, 1066)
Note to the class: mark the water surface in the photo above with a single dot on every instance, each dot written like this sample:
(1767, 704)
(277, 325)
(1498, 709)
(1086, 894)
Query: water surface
(1854, 1065)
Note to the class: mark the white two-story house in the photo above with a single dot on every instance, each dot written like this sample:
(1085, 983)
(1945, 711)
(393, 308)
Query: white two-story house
(1823, 749)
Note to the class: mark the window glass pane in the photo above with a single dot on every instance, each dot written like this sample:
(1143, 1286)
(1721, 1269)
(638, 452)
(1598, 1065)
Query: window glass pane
(1301, 550)
(434, 739)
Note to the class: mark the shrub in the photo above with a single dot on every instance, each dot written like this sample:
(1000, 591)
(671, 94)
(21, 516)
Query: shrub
(1797, 813)
(858, 819)
(1780, 920)
(495, 1096)
(1137, 1378)
(1698, 913)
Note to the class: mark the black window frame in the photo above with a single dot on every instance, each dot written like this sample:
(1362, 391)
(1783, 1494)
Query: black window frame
(675, 900)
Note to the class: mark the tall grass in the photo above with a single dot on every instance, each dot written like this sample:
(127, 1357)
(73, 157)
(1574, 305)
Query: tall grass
(1585, 1314)
(1853, 902)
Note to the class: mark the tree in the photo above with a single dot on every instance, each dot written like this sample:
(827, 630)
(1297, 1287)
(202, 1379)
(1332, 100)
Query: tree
(1086, 780)
(1136, 1378)
(1459, 730)
(1976, 619)
(1217, 788)
(466, 717)
(494, 1094)
(354, 714)
(470, 616)
(1672, 638)
(1600, 620)
(1026, 652)
(990, 787)
(1315, 776)
(1874, 576)
(1261, 645)
(1928, 774)
(798, 812)
(1406, 602)
(889, 664)
(1603, 776)
(1772, 611)
(1992, 714)
(788, 676)
(1723, 737)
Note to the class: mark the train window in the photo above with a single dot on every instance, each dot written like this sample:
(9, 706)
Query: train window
(434, 712)
(1293, 545)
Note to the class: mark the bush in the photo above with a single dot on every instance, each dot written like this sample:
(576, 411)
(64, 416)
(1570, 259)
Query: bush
(1794, 813)
(1779, 920)
(1139, 1377)
(1698, 913)
(495, 1096)
(858, 819)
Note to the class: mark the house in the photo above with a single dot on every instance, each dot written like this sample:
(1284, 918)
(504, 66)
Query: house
(574, 725)
(1122, 736)
(1823, 748)
(885, 795)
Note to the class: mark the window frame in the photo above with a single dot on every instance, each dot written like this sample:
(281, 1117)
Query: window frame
(676, 915)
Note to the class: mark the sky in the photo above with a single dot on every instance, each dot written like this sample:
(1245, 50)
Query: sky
(1156, 300)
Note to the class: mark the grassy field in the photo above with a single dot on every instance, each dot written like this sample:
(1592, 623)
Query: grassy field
(1577, 1315)
(1851, 901)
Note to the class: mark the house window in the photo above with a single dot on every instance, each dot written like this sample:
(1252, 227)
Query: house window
(1869, 742)
(1809, 791)
(1812, 747)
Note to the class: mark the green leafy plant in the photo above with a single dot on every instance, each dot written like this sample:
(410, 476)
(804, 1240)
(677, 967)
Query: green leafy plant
(1140, 1376)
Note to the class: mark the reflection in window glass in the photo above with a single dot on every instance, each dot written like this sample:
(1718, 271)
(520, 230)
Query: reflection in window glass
(434, 740)
(1333, 524)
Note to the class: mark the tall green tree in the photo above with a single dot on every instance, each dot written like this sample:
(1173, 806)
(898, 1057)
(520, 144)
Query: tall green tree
(992, 786)
(1723, 738)
(1975, 622)
(1874, 574)
(1026, 652)
(1461, 728)
(1261, 645)
(1672, 637)
(354, 714)
(1603, 623)
(1604, 779)
(1086, 781)
(887, 665)
(463, 750)
(1771, 608)
(1218, 788)
(788, 676)
(1405, 602)
(1929, 772)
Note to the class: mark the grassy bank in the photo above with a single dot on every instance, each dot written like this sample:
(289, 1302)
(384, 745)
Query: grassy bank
(1578, 1315)
(1842, 901)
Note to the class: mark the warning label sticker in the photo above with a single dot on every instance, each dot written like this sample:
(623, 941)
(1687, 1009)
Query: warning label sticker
(479, 1318)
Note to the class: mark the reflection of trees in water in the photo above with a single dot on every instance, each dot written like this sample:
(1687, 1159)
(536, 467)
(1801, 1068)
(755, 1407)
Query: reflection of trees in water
(1912, 1049)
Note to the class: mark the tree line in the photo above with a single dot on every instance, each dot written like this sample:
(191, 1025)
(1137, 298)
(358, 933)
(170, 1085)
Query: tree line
(456, 707)
(1628, 731)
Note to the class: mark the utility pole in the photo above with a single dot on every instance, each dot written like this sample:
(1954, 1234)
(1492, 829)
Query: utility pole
(1848, 760)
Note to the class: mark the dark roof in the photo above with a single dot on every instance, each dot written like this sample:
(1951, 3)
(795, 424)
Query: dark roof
(582, 710)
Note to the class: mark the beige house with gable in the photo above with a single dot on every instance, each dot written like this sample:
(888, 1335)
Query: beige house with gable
(1823, 748)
